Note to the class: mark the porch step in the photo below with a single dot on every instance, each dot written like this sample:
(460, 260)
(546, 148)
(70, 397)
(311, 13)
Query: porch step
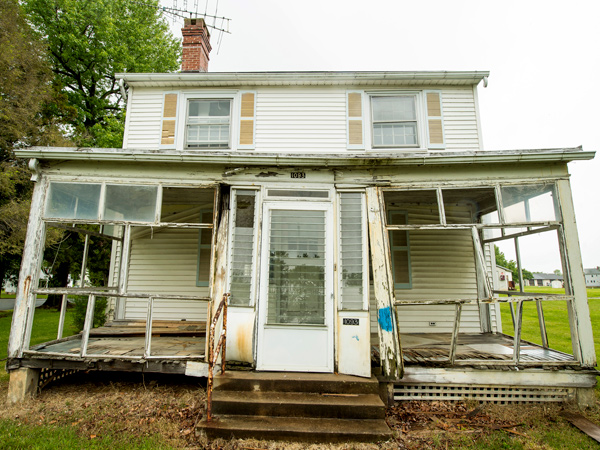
(303, 429)
(295, 382)
(296, 406)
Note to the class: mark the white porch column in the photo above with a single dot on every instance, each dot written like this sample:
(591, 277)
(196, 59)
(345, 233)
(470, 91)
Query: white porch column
(30, 270)
(389, 343)
(579, 313)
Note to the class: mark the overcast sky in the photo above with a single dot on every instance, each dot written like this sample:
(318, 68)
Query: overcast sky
(543, 56)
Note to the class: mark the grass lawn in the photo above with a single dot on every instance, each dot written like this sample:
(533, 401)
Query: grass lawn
(557, 320)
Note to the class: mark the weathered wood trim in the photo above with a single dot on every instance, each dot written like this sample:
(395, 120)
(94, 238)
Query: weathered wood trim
(148, 336)
(524, 233)
(481, 269)
(61, 320)
(29, 273)
(125, 257)
(389, 341)
(88, 325)
(579, 313)
(64, 226)
(454, 340)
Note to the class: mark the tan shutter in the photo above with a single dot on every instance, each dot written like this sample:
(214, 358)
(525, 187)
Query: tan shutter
(247, 113)
(435, 124)
(169, 119)
(355, 120)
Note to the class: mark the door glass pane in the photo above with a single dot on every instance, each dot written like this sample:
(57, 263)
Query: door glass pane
(243, 248)
(352, 247)
(296, 267)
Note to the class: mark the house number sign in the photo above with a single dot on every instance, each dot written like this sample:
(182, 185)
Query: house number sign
(347, 321)
(298, 174)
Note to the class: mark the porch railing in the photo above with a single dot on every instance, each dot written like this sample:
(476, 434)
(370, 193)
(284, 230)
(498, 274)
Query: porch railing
(213, 353)
(517, 313)
(92, 294)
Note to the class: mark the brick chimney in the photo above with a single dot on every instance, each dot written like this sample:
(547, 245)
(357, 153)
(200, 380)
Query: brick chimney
(196, 46)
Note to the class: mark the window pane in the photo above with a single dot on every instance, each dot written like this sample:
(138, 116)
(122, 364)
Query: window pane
(529, 203)
(468, 205)
(208, 123)
(185, 204)
(352, 247)
(392, 109)
(130, 203)
(419, 206)
(394, 134)
(297, 267)
(73, 201)
(401, 265)
(242, 263)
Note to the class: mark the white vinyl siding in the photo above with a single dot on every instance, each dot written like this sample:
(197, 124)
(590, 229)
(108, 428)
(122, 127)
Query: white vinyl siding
(165, 262)
(301, 120)
(144, 119)
(460, 119)
(443, 267)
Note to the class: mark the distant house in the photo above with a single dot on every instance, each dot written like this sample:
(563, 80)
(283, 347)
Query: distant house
(504, 278)
(547, 279)
(592, 277)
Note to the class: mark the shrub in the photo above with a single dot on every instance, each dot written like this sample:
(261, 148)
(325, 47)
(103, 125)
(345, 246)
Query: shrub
(100, 312)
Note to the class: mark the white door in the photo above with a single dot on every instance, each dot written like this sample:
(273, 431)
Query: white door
(296, 294)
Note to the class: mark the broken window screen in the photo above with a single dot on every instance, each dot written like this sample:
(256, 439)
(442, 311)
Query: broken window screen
(204, 246)
(465, 206)
(130, 203)
(529, 203)
(400, 249)
(352, 251)
(243, 242)
(184, 204)
(296, 267)
(421, 207)
(73, 201)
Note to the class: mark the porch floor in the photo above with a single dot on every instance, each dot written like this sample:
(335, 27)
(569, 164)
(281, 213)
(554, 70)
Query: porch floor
(434, 348)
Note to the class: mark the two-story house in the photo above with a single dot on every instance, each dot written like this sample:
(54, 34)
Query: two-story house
(351, 217)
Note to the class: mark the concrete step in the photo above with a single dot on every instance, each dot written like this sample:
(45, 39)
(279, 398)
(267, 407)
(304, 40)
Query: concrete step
(298, 404)
(295, 429)
(295, 382)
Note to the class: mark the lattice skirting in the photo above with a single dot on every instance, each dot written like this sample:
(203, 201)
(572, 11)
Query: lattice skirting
(47, 376)
(483, 393)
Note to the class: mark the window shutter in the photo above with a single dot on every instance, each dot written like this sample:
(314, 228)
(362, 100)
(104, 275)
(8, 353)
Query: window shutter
(354, 119)
(435, 122)
(247, 120)
(169, 120)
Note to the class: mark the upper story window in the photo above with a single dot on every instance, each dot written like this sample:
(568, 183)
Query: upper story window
(394, 120)
(208, 123)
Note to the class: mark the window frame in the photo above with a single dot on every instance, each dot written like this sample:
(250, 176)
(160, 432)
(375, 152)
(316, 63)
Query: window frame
(419, 121)
(234, 118)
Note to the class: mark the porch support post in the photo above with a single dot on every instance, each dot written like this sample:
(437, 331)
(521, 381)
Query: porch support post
(30, 271)
(23, 383)
(579, 312)
(390, 350)
(218, 281)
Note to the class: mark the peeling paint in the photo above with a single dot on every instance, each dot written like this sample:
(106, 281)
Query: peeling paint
(384, 316)
(266, 174)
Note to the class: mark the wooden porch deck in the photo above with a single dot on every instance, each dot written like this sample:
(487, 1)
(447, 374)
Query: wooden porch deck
(433, 349)
(123, 339)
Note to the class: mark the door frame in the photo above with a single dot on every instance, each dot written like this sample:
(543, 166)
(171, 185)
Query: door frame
(329, 299)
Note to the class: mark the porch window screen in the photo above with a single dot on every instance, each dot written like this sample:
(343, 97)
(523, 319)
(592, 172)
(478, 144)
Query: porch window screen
(130, 203)
(242, 255)
(73, 201)
(297, 267)
(352, 251)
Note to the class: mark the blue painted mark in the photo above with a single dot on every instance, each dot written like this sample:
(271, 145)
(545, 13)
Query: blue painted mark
(355, 337)
(385, 319)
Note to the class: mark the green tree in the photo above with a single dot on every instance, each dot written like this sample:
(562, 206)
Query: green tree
(511, 265)
(26, 118)
(88, 42)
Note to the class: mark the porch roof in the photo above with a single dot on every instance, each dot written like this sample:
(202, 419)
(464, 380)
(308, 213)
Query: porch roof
(318, 78)
(370, 159)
